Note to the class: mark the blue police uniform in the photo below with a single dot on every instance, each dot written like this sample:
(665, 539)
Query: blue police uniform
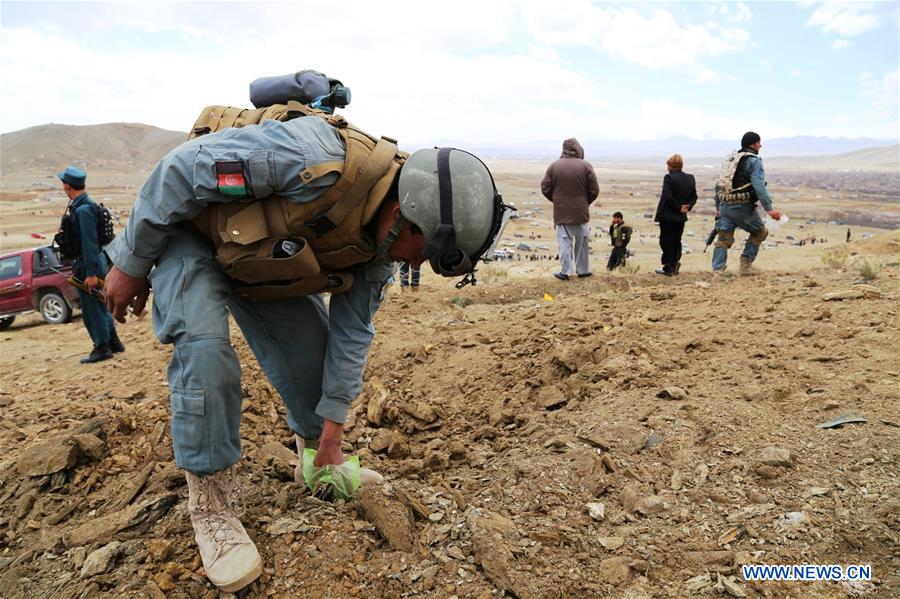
(743, 216)
(313, 355)
(91, 263)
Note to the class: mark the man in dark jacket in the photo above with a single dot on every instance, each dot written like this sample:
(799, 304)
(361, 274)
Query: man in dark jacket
(679, 194)
(570, 183)
(619, 237)
(90, 266)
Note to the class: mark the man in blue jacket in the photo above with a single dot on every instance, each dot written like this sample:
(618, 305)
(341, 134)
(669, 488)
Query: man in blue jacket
(90, 266)
(737, 208)
(313, 354)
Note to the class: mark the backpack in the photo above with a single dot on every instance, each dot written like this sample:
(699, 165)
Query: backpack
(326, 234)
(68, 238)
(725, 190)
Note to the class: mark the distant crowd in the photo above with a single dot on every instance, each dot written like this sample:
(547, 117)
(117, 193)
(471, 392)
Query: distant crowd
(571, 185)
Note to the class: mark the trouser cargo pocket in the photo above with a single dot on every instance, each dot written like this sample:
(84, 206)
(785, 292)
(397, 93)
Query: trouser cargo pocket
(189, 426)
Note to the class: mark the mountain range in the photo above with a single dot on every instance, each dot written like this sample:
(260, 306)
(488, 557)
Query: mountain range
(128, 146)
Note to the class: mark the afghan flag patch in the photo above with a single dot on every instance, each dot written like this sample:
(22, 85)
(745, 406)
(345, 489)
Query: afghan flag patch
(230, 179)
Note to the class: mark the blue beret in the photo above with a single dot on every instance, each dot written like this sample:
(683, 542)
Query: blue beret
(74, 176)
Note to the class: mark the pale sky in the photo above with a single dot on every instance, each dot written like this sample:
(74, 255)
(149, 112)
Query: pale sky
(469, 72)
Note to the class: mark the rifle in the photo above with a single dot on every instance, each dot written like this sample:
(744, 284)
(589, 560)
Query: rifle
(712, 236)
(96, 292)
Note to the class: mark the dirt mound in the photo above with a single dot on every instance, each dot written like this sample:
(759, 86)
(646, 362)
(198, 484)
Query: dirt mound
(612, 437)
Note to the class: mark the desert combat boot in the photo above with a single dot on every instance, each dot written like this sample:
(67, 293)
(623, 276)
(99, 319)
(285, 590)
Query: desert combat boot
(367, 476)
(747, 269)
(230, 558)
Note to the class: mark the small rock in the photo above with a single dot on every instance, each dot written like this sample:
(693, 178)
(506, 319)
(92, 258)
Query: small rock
(456, 553)
(675, 485)
(101, 560)
(89, 445)
(630, 496)
(392, 519)
(421, 411)
(857, 292)
(47, 458)
(377, 402)
(165, 581)
(399, 447)
(775, 456)
(381, 440)
(793, 520)
(154, 591)
(732, 587)
(159, 550)
(614, 570)
(870, 291)
(551, 398)
(698, 583)
(654, 440)
(611, 543)
(676, 393)
(596, 510)
(653, 504)
(77, 555)
(659, 296)
(275, 452)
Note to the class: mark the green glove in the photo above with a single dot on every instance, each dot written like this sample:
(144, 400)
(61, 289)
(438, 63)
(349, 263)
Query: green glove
(343, 479)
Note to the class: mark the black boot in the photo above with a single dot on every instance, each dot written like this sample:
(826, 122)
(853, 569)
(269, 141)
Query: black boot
(115, 344)
(98, 354)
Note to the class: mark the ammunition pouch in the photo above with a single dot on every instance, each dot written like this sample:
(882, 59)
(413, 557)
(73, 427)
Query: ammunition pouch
(330, 230)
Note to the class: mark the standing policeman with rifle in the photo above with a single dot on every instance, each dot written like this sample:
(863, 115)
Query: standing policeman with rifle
(80, 238)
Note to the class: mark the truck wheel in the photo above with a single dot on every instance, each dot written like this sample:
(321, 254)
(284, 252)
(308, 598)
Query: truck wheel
(54, 309)
(6, 322)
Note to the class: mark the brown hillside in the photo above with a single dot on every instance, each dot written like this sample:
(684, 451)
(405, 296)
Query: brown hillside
(113, 145)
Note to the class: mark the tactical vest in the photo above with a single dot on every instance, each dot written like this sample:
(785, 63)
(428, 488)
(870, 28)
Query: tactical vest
(733, 186)
(328, 234)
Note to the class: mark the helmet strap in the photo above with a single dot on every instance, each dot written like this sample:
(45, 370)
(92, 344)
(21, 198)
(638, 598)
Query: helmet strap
(381, 252)
(443, 254)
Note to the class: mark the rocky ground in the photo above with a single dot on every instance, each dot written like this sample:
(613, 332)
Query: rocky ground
(620, 436)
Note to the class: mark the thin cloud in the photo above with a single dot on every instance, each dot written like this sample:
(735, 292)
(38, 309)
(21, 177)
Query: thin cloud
(882, 95)
(846, 20)
(655, 41)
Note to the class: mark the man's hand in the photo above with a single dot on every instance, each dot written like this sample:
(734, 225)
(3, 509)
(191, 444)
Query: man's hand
(329, 451)
(92, 282)
(121, 290)
(685, 208)
(774, 214)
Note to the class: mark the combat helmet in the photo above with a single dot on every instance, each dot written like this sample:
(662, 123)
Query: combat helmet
(451, 196)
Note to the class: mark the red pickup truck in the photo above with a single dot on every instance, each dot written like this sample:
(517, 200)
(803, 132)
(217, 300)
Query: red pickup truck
(35, 279)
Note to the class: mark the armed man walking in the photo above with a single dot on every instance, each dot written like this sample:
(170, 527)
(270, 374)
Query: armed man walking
(79, 237)
(258, 222)
(742, 183)
(571, 184)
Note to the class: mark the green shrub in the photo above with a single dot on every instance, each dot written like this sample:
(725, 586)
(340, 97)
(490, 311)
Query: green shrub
(868, 270)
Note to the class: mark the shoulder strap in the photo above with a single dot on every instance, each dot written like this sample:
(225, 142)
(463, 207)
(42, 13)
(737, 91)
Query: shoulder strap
(353, 188)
